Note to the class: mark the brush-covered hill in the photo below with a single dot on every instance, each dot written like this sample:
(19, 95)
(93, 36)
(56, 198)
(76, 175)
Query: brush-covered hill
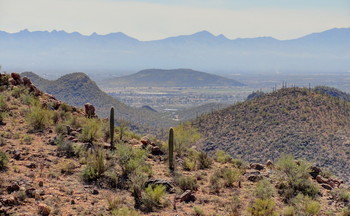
(78, 89)
(55, 161)
(172, 78)
(306, 123)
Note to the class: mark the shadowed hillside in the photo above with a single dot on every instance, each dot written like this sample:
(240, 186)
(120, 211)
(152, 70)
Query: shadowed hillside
(77, 89)
(308, 124)
(172, 78)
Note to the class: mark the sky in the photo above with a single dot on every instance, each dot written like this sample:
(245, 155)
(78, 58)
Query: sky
(158, 19)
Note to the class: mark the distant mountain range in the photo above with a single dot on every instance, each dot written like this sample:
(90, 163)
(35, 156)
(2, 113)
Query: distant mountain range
(50, 52)
(171, 78)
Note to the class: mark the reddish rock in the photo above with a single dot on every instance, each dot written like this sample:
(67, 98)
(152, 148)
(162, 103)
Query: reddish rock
(89, 110)
(145, 141)
(187, 196)
(26, 81)
(326, 186)
(43, 210)
(257, 166)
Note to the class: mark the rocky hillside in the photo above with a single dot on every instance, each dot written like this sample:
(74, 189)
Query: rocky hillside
(171, 78)
(56, 161)
(306, 123)
(78, 89)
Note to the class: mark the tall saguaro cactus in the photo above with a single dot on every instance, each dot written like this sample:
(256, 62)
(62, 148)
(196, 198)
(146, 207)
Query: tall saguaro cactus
(111, 127)
(171, 149)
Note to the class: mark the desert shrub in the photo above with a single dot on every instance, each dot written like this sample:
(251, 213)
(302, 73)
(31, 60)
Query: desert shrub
(230, 176)
(3, 160)
(262, 207)
(289, 211)
(190, 161)
(264, 189)
(39, 118)
(345, 211)
(215, 182)
(233, 206)
(61, 128)
(27, 139)
(67, 168)
(138, 179)
(154, 197)
(124, 211)
(65, 148)
(238, 163)
(29, 99)
(204, 161)
(340, 194)
(185, 135)
(295, 178)
(186, 182)
(3, 105)
(222, 157)
(91, 130)
(65, 107)
(130, 159)
(95, 166)
(18, 91)
(304, 205)
(75, 122)
(198, 211)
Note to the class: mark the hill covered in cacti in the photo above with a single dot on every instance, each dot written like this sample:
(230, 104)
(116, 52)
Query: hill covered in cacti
(303, 122)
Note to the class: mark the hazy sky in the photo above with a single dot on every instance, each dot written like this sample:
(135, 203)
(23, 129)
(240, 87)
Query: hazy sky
(157, 19)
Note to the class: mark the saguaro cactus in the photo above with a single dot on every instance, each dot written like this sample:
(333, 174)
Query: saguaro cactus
(171, 149)
(111, 127)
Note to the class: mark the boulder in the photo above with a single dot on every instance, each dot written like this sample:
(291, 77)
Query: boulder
(257, 166)
(155, 150)
(12, 188)
(16, 79)
(43, 209)
(8, 200)
(187, 196)
(315, 171)
(145, 141)
(254, 176)
(26, 81)
(326, 186)
(89, 110)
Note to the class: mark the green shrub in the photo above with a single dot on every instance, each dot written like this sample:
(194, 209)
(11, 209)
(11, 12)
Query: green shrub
(289, 211)
(215, 182)
(340, 194)
(65, 148)
(204, 161)
(39, 118)
(130, 159)
(123, 211)
(233, 206)
(230, 176)
(189, 164)
(345, 211)
(238, 163)
(95, 166)
(3, 160)
(3, 105)
(304, 205)
(198, 211)
(264, 189)
(27, 139)
(185, 135)
(186, 182)
(67, 168)
(18, 91)
(61, 128)
(295, 178)
(262, 207)
(222, 157)
(29, 99)
(91, 130)
(154, 197)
